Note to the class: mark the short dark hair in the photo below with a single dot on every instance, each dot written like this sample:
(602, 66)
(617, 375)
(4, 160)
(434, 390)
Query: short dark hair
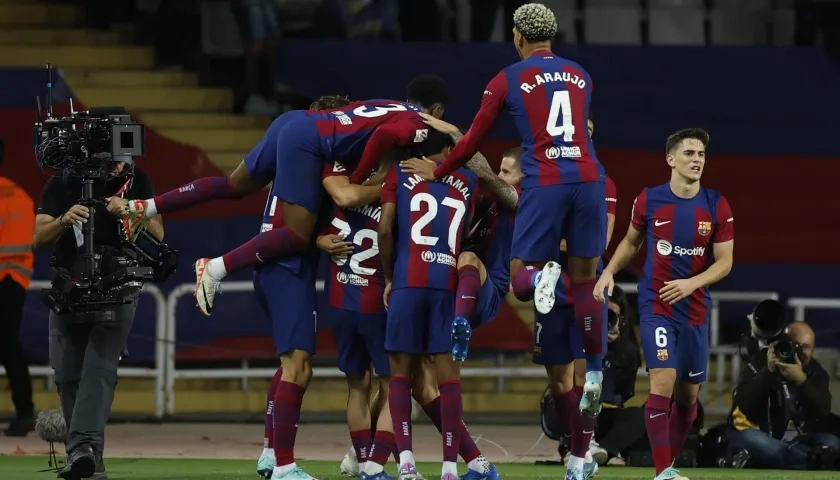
(434, 144)
(675, 139)
(427, 90)
(328, 102)
(514, 153)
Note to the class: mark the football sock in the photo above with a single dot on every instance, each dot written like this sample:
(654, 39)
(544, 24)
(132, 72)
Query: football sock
(582, 429)
(451, 411)
(383, 444)
(589, 318)
(216, 268)
(399, 401)
(679, 423)
(524, 281)
(565, 406)
(466, 298)
(287, 401)
(468, 450)
(362, 440)
(191, 194)
(265, 247)
(656, 424)
(268, 439)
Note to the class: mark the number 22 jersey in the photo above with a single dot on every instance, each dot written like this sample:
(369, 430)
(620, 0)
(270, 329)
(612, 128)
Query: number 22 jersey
(431, 223)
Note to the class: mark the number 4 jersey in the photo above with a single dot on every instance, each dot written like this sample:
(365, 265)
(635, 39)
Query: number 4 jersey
(431, 223)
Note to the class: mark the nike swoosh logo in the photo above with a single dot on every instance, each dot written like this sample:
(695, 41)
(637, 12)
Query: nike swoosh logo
(654, 415)
(260, 259)
(692, 374)
(660, 223)
(588, 432)
(466, 296)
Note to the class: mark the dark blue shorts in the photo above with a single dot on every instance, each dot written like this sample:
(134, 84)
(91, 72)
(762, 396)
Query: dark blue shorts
(420, 321)
(557, 340)
(290, 155)
(547, 214)
(360, 338)
(670, 344)
(256, 19)
(288, 300)
(489, 301)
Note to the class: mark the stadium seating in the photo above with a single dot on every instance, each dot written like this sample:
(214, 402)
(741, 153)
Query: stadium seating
(613, 22)
(676, 22)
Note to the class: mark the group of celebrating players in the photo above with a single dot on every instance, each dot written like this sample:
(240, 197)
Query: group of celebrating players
(420, 255)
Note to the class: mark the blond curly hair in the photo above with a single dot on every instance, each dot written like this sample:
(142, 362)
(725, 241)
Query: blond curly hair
(535, 22)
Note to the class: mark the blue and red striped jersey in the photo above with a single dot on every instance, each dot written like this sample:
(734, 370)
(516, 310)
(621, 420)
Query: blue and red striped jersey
(548, 97)
(360, 134)
(490, 238)
(432, 218)
(680, 237)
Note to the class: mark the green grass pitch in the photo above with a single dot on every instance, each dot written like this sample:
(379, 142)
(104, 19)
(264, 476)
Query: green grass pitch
(27, 468)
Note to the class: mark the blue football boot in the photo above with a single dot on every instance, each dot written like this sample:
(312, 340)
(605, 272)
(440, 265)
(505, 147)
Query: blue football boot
(461, 333)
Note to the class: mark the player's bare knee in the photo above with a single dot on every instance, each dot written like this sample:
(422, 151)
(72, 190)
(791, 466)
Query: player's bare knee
(359, 384)
(468, 259)
(401, 364)
(515, 265)
(561, 378)
(686, 393)
(662, 381)
(446, 368)
(297, 368)
(242, 182)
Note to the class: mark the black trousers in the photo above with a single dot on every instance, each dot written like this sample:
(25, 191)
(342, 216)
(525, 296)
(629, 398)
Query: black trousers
(620, 428)
(12, 298)
(84, 356)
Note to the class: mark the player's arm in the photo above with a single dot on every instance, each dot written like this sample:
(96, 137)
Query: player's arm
(345, 194)
(612, 202)
(723, 247)
(492, 102)
(632, 241)
(381, 141)
(145, 189)
(387, 222)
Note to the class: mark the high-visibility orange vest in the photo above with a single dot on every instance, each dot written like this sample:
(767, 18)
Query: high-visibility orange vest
(17, 223)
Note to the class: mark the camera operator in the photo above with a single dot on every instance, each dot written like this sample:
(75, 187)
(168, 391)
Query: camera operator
(781, 384)
(85, 348)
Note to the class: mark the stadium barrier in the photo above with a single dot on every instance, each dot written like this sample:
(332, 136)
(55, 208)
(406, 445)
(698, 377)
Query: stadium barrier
(156, 371)
(723, 353)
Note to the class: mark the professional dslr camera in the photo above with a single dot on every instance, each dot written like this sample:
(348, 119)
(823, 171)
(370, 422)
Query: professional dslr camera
(768, 324)
(84, 146)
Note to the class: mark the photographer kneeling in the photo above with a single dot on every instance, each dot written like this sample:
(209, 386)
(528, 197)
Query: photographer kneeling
(782, 383)
(85, 347)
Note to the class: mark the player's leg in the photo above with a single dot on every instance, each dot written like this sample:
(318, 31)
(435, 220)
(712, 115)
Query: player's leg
(255, 172)
(407, 313)
(693, 363)
(372, 329)
(659, 346)
(293, 325)
(448, 371)
(354, 362)
(471, 276)
(537, 233)
(425, 391)
(266, 462)
(586, 233)
(297, 194)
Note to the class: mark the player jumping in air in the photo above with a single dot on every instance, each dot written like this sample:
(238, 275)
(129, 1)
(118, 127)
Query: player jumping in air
(690, 240)
(563, 188)
(421, 230)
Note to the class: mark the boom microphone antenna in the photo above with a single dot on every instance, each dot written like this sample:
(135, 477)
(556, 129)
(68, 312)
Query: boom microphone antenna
(49, 91)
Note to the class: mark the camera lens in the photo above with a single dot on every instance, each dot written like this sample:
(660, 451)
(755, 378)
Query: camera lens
(785, 351)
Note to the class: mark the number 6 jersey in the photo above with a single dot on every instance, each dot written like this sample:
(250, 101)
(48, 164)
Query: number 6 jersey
(431, 225)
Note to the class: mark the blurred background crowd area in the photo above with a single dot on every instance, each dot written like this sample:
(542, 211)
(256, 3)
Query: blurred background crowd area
(233, 42)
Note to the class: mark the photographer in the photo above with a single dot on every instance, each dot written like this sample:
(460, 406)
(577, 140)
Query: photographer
(85, 348)
(781, 384)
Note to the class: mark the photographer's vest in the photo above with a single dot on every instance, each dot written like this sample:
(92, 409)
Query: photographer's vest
(17, 223)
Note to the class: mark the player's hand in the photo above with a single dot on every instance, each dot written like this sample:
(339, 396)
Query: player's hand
(386, 294)
(606, 282)
(77, 215)
(377, 177)
(117, 206)
(772, 360)
(613, 335)
(676, 290)
(440, 125)
(792, 372)
(424, 167)
(335, 246)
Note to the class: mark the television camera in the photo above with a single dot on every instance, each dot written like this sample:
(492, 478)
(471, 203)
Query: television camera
(88, 146)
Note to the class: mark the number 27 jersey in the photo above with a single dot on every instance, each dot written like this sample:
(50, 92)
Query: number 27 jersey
(430, 226)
